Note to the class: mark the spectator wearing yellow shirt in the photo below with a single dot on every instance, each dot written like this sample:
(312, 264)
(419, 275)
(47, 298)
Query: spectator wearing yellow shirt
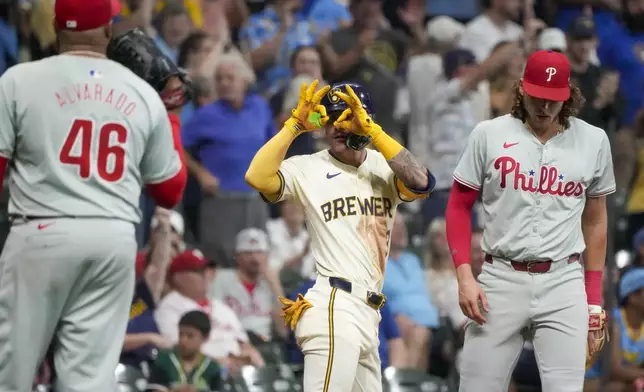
(192, 6)
(635, 202)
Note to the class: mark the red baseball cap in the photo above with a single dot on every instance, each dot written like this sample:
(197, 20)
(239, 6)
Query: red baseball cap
(547, 76)
(190, 260)
(81, 15)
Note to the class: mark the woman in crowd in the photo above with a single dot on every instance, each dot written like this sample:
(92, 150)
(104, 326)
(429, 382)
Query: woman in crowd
(220, 140)
(502, 82)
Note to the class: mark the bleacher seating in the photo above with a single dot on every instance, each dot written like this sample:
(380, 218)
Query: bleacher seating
(271, 378)
(130, 379)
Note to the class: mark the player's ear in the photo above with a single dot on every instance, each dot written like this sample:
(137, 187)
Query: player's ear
(521, 87)
(108, 31)
(56, 27)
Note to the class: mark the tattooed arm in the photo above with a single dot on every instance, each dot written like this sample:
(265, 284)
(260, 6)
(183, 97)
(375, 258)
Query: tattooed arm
(407, 169)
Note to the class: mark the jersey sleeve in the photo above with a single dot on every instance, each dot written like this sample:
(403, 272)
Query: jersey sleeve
(603, 182)
(470, 170)
(160, 159)
(290, 173)
(7, 117)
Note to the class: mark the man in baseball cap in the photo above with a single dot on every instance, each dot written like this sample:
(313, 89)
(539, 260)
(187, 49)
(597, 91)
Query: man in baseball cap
(84, 26)
(545, 90)
(84, 15)
(547, 76)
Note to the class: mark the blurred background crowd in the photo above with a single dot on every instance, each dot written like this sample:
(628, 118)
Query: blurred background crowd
(209, 272)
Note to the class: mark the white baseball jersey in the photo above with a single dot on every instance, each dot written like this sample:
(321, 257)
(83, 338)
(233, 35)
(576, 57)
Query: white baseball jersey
(533, 194)
(349, 213)
(252, 305)
(83, 134)
(226, 330)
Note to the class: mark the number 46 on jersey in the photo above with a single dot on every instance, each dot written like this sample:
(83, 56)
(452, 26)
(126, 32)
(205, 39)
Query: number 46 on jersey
(109, 138)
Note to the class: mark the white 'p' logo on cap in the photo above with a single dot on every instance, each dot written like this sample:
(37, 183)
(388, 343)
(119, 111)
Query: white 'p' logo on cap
(551, 71)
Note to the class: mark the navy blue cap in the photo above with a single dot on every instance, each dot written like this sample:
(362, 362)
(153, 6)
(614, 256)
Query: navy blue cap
(582, 28)
(454, 59)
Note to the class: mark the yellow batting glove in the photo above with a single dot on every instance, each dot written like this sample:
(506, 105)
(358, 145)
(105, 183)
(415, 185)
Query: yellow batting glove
(309, 115)
(355, 119)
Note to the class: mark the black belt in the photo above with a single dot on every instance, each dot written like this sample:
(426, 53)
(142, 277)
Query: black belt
(374, 300)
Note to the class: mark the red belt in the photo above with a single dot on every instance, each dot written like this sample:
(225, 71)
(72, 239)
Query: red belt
(533, 266)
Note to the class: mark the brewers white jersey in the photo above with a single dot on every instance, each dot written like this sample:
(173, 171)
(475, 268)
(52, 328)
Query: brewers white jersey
(349, 213)
(83, 135)
(533, 194)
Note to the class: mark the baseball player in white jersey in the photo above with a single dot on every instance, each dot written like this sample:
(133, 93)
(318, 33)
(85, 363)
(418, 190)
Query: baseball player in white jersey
(82, 134)
(543, 176)
(350, 195)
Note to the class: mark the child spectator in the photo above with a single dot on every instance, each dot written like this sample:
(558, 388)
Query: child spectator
(184, 368)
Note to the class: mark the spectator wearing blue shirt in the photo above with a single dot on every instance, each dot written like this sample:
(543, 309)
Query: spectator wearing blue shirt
(271, 36)
(391, 349)
(173, 25)
(220, 140)
(621, 48)
(409, 297)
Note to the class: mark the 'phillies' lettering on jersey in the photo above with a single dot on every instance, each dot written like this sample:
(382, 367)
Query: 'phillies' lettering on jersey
(550, 181)
(252, 307)
(353, 205)
(351, 238)
(84, 135)
(534, 193)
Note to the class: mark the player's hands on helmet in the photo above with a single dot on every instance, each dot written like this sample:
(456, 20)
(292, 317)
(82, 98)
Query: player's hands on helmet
(471, 297)
(355, 119)
(309, 114)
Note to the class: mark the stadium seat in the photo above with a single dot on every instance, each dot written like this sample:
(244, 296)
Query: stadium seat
(272, 352)
(130, 379)
(407, 380)
(231, 384)
(270, 378)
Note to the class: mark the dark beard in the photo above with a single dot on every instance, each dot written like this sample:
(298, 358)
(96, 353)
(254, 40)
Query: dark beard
(634, 22)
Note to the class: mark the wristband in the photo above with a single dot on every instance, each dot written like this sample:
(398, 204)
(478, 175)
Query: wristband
(593, 283)
(294, 126)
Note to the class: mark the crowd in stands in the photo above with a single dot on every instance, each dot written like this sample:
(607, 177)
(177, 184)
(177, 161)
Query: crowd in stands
(209, 274)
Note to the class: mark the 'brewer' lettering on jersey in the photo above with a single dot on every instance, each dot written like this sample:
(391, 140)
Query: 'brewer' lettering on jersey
(352, 205)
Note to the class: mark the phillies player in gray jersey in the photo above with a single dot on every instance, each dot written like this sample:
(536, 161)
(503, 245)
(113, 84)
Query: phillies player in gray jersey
(81, 134)
(543, 176)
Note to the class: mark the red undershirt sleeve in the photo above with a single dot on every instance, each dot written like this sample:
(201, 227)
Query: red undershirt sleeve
(458, 219)
(168, 193)
(3, 169)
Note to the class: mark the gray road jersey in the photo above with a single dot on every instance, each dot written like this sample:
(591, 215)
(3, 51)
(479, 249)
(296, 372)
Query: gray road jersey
(83, 135)
(253, 308)
(533, 194)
